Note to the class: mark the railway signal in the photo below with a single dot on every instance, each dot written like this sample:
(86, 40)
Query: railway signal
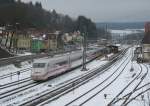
(11, 76)
(105, 95)
(18, 73)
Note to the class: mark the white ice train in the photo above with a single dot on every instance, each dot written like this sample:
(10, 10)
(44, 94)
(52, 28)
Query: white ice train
(45, 68)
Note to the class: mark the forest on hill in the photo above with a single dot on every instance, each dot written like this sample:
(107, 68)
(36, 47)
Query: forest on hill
(29, 15)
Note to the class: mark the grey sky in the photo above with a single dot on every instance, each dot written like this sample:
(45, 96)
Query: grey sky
(102, 10)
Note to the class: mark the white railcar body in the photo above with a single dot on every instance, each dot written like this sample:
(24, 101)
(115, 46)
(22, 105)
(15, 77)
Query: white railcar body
(45, 68)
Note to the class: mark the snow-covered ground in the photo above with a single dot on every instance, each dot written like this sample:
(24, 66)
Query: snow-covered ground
(24, 54)
(111, 91)
(9, 74)
(30, 93)
(9, 70)
(37, 89)
(119, 75)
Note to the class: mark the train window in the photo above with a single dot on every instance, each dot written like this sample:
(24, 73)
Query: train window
(62, 63)
(38, 65)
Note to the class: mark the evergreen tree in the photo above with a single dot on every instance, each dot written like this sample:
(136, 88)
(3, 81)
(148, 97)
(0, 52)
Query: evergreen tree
(34, 16)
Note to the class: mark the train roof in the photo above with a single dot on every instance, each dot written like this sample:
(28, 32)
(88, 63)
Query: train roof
(43, 60)
(64, 57)
(54, 59)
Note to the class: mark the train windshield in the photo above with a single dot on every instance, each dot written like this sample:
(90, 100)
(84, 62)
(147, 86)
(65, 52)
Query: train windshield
(38, 65)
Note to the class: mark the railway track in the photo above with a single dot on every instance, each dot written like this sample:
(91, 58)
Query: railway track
(117, 96)
(133, 98)
(91, 97)
(15, 83)
(21, 57)
(28, 69)
(127, 97)
(20, 89)
(98, 85)
(128, 100)
(67, 87)
(139, 88)
(23, 87)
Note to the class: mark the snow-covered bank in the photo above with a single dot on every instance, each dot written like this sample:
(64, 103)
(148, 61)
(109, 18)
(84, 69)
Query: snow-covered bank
(10, 71)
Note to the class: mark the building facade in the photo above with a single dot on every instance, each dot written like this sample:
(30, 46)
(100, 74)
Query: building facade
(146, 43)
(36, 45)
(24, 43)
(52, 41)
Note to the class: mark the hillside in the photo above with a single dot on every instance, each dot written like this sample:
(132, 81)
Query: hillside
(34, 16)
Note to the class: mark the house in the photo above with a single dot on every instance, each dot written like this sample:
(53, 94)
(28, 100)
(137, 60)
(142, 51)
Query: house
(23, 42)
(67, 37)
(146, 43)
(146, 48)
(52, 41)
(147, 27)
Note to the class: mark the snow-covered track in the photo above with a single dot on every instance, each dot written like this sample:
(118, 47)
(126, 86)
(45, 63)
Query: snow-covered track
(115, 71)
(125, 103)
(137, 96)
(127, 97)
(15, 83)
(21, 89)
(113, 100)
(139, 88)
(68, 86)
(91, 97)
(17, 90)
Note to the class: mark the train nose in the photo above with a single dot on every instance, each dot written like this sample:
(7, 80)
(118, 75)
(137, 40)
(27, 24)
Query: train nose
(37, 77)
(34, 77)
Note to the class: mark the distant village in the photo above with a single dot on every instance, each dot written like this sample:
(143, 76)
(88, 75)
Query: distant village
(37, 41)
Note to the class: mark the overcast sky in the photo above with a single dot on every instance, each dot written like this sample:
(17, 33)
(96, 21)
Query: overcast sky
(101, 10)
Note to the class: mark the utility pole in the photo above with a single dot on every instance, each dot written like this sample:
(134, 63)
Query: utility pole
(7, 37)
(106, 32)
(16, 39)
(11, 41)
(84, 53)
(48, 45)
(2, 36)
